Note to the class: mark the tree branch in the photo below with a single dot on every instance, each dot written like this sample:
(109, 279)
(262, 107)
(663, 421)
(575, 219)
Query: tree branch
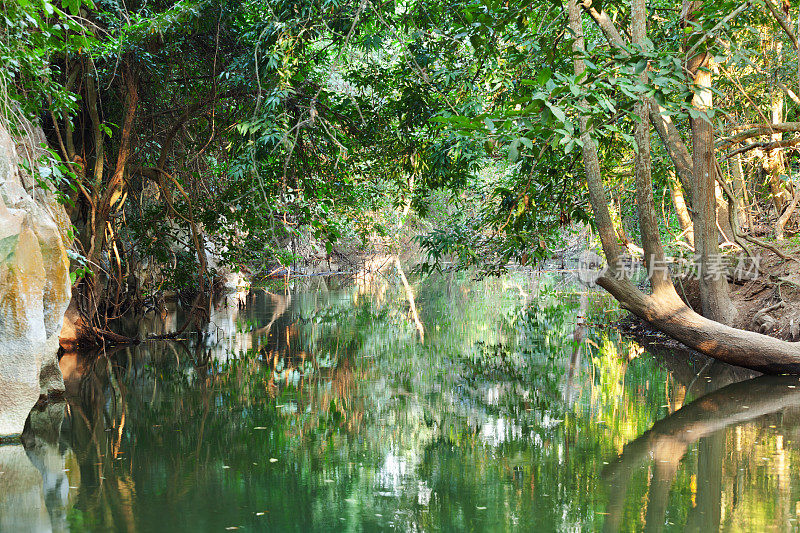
(764, 129)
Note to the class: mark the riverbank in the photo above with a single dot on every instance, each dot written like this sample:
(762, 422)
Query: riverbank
(768, 302)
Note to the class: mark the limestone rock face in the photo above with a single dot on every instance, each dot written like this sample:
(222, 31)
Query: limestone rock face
(34, 282)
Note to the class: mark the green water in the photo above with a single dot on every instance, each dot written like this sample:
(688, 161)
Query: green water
(317, 408)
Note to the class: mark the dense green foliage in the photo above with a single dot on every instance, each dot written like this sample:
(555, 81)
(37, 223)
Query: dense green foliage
(197, 136)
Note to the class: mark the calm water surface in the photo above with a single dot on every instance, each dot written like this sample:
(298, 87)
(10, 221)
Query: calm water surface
(341, 407)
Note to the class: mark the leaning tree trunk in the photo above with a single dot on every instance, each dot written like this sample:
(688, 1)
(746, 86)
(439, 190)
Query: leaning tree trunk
(591, 160)
(654, 259)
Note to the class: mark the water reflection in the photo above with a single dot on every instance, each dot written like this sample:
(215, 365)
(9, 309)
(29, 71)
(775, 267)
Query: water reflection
(34, 489)
(320, 408)
(711, 433)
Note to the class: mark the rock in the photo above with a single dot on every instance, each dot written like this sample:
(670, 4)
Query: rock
(34, 487)
(34, 283)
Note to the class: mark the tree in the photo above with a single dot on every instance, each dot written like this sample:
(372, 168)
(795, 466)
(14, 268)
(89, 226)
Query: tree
(663, 308)
(614, 87)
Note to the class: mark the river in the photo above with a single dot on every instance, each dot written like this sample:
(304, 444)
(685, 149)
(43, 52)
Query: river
(449, 404)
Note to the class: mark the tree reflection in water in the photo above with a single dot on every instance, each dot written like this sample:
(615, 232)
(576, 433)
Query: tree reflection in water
(322, 410)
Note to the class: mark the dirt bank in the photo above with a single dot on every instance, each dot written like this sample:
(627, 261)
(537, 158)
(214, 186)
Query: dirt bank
(768, 303)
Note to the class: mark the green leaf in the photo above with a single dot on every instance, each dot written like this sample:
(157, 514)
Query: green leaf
(513, 151)
(544, 76)
(73, 6)
(557, 112)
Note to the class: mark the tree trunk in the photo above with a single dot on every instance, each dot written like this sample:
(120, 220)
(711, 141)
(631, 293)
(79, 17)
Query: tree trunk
(714, 295)
(669, 314)
(740, 192)
(723, 215)
(591, 161)
(667, 131)
(664, 309)
(615, 210)
(104, 197)
(669, 134)
(654, 260)
(773, 162)
(684, 218)
(780, 225)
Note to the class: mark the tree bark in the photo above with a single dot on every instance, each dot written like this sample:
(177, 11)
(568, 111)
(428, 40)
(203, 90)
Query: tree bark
(654, 260)
(684, 217)
(714, 295)
(740, 192)
(591, 161)
(670, 315)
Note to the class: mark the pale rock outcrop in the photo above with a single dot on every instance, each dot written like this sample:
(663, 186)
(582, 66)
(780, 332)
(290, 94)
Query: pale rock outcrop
(34, 281)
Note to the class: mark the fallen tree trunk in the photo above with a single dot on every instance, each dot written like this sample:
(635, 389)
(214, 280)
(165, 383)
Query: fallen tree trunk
(670, 315)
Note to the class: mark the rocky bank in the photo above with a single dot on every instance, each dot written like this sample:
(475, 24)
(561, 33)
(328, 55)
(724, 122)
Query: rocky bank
(34, 279)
